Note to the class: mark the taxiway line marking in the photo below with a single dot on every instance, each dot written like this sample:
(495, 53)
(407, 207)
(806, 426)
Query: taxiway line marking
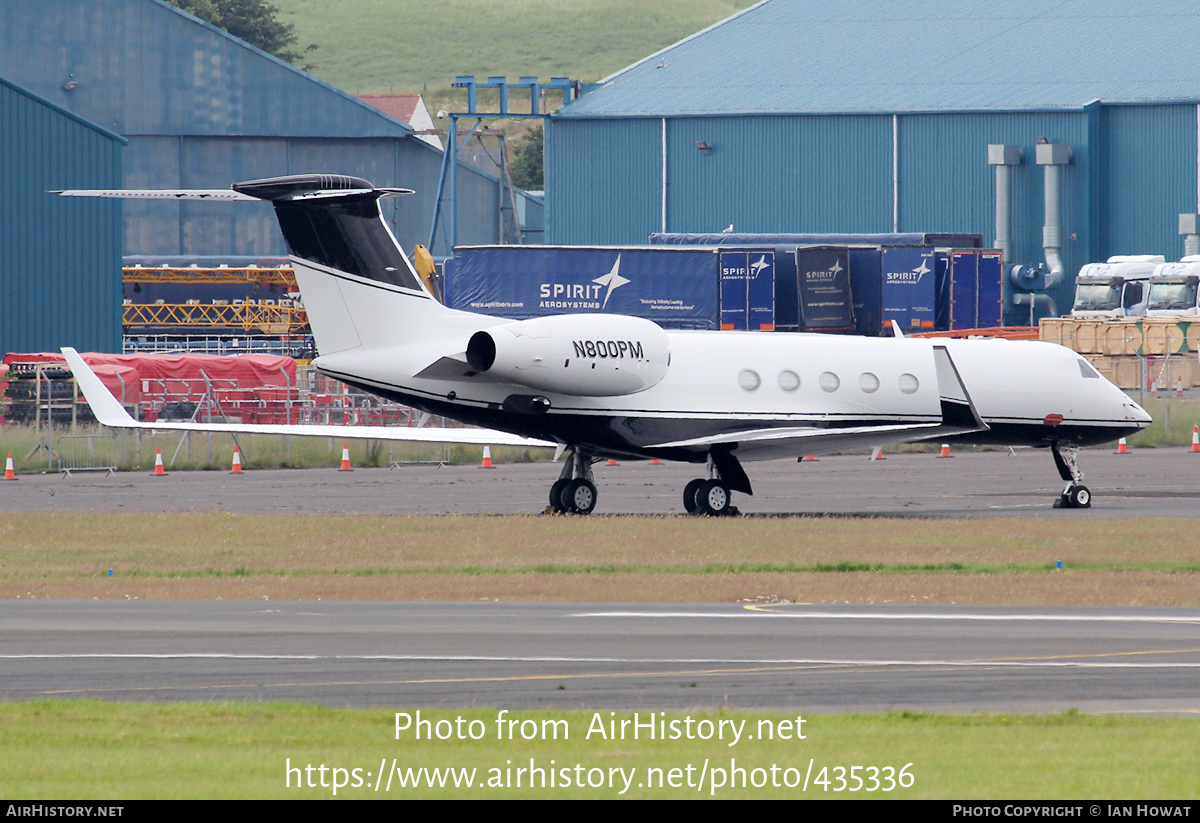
(767, 612)
(1050, 661)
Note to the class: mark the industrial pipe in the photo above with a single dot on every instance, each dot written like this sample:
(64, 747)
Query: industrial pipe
(1053, 156)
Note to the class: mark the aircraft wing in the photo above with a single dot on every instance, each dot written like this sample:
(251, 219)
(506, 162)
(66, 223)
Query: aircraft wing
(762, 444)
(109, 412)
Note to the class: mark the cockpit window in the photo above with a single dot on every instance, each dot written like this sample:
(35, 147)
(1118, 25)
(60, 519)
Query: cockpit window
(1085, 368)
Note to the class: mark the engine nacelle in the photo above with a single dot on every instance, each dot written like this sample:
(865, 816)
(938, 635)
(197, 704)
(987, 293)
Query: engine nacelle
(590, 355)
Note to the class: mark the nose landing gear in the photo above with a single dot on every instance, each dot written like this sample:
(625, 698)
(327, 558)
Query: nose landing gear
(1075, 495)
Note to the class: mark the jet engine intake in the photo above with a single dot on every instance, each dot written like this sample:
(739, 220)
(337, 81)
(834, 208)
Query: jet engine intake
(586, 355)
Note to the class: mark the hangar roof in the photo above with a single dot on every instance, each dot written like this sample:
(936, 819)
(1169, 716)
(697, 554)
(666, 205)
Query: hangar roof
(817, 56)
(144, 67)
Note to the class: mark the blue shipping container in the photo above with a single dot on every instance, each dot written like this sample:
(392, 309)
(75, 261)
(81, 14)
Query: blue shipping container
(676, 288)
(909, 287)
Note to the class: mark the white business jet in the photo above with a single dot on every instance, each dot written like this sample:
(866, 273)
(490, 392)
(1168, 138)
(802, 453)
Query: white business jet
(605, 385)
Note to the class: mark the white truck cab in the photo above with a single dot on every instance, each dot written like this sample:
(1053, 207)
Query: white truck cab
(1117, 288)
(1174, 288)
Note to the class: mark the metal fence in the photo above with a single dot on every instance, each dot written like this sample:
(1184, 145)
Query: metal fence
(87, 453)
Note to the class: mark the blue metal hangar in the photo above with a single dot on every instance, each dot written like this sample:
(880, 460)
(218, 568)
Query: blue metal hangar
(1063, 132)
(58, 287)
(202, 109)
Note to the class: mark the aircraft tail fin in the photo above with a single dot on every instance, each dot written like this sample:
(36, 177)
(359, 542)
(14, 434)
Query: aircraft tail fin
(358, 287)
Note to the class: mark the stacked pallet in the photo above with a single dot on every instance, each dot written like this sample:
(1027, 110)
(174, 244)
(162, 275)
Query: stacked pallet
(1130, 350)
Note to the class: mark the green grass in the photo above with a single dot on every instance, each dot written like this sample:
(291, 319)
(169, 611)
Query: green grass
(392, 46)
(1173, 421)
(91, 749)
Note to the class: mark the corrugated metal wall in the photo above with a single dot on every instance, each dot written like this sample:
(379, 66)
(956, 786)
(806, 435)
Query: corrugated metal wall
(774, 174)
(603, 181)
(1148, 169)
(946, 184)
(154, 227)
(1134, 170)
(203, 110)
(60, 258)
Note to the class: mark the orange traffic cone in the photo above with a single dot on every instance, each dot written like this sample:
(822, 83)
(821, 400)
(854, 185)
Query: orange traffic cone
(808, 458)
(877, 454)
(1196, 438)
(346, 458)
(612, 462)
(656, 462)
(159, 471)
(9, 472)
(237, 462)
(945, 451)
(487, 458)
(1121, 447)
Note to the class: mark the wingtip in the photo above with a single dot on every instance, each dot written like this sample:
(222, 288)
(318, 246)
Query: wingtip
(107, 409)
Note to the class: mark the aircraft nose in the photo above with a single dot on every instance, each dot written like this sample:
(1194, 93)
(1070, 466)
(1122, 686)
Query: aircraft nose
(1137, 414)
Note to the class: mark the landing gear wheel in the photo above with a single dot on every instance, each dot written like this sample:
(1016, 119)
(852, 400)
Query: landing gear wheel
(714, 497)
(1077, 497)
(579, 496)
(1066, 459)
(691, 494)
(556, 496)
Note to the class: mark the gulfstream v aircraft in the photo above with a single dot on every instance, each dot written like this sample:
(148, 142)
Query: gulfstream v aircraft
(606, 385)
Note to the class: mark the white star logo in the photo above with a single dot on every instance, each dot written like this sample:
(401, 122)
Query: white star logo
(612, 280)
(922, 270)
(759, 266)
(836, 267)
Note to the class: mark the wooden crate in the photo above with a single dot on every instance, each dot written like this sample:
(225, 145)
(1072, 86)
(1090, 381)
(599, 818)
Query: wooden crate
(1120, 337)
(1163, 336)
(1056, 330)
(1087, 336)
(1127, 372)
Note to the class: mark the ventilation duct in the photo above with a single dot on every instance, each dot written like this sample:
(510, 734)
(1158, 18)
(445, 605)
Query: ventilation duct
(1053, 156)
(1189, 227)
(1004, 158)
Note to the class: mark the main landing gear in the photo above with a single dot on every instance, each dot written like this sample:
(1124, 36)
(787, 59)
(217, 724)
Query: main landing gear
(574, 491)
(712, 496)
(1075, 495)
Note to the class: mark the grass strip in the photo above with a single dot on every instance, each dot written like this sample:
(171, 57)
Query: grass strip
(73, 749)
(609, 569)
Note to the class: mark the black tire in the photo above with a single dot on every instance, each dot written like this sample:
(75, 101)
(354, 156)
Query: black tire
(556, 495)
(1080, 497)
(714, 496)
(581, 496)
(691, 497)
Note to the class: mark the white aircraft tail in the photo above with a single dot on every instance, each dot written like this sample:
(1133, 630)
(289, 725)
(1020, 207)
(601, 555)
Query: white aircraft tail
(358, 287)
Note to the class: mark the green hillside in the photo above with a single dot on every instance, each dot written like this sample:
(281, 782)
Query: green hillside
(393, 46)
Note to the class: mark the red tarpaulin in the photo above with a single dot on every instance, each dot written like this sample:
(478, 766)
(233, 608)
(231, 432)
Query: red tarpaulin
(155, 378)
